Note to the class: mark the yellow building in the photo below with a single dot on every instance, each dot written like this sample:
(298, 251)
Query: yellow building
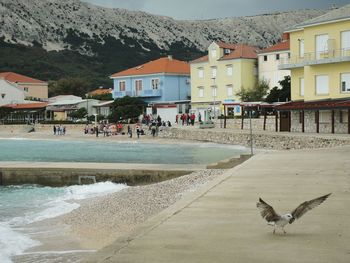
(217, 77)
(320, 74)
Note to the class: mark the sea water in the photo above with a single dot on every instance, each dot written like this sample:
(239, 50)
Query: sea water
(25, 204)
(115, 152)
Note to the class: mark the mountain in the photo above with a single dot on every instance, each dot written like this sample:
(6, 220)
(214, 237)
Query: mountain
(52, 39)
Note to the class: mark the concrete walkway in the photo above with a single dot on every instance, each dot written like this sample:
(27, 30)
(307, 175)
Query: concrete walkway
(220, 223)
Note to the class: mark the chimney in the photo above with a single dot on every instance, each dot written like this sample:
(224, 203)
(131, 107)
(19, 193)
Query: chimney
(170, 57)
(285, 37)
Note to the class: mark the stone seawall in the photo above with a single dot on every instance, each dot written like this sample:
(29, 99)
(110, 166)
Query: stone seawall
(262, 140)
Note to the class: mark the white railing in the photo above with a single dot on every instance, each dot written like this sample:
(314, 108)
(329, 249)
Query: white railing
(317, 57)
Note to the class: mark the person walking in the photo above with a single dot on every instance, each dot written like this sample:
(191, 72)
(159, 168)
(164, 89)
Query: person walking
(54, 130)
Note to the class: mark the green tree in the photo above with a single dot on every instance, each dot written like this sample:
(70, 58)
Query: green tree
(78, 114)
(256, 94)
(68, 86)
(106, 97)
(127, 108)
(280, 94)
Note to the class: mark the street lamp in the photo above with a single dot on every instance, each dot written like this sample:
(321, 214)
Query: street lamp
(87, 106)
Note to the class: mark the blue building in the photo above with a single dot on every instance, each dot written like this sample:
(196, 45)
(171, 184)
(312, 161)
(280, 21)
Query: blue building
(163, 83)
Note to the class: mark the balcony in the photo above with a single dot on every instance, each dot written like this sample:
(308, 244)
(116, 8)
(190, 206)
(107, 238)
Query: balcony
(122, 94)
(150, 93)
(315, 58)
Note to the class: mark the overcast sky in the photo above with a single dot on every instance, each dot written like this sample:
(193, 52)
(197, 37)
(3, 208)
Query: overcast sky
(206, 9)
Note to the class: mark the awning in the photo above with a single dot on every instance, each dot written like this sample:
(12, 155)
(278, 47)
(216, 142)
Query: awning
(315, 105)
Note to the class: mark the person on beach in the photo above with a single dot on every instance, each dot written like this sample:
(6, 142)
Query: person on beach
(138, 131)
(153, 128)
(64, 130)
(129, 131)
(54, 130)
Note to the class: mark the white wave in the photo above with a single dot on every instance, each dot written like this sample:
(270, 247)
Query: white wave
(13, 243)
(79, 192)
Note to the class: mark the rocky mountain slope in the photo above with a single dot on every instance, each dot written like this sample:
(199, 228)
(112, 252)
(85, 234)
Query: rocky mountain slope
(119, 38)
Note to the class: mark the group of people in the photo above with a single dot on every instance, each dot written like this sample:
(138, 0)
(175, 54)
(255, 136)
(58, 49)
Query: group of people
(187, 118)
(59, 130)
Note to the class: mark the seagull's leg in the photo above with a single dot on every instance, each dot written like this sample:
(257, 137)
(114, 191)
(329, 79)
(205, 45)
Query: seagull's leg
(284, 231)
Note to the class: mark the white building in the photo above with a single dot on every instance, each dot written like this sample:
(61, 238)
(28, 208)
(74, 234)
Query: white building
(10, 93)
(269, 59)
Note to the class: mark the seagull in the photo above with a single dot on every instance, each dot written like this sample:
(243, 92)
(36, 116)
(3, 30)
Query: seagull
(276, 220)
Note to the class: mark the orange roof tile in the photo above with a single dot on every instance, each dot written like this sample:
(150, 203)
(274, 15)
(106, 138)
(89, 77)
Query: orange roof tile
(18, 78)
(162, 65)
(100, 92)
(284, 45)
(36, 105)
(201, 59)
(237, 51)
(242, 51)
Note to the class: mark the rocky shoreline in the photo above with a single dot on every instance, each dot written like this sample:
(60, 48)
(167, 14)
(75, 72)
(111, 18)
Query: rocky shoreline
(100, 221)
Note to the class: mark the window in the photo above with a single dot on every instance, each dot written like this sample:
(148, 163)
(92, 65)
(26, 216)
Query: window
(25, 89)
(200, 73)
(3, 95)
(213, 53)
(213, 72)
(155, 83)
(229, 70)
(214, 91)
(229, 90)
(265, 58)
(322, 84)
(301, 85)
(288, 54)
(301, 48)
(138, 87)
(321, 45)
(345, 82)
(345, 43)
(277, 56)
(325, 116)
(121, 85)
(201, 92)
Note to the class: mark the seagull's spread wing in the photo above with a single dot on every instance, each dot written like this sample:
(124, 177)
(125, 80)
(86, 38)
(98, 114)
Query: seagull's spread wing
(307, 206)
(267, 211)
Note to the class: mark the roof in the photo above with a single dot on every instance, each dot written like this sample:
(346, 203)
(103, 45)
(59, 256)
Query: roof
(315, 105)
(18, 78)
(330, 17)
(162, 65)
(36, 105)
(284, 45)
(241, 51)
(104, 104)
(66, 102)
(100, 92)
(236, 51)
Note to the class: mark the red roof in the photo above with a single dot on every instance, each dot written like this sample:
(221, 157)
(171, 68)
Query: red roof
(236, 51)
(18, 78)
(315, 105)
(284, 45)
(162, 65)
(36, 105)
(242, 51)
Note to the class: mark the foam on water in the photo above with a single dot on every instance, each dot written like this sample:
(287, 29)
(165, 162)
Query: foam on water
(30, 208)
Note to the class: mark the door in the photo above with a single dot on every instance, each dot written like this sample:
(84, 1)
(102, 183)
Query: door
(284, 121)
(321, 46)
(345, 43)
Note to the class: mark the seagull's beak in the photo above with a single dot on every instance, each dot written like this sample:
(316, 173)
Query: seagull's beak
(291, 220)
